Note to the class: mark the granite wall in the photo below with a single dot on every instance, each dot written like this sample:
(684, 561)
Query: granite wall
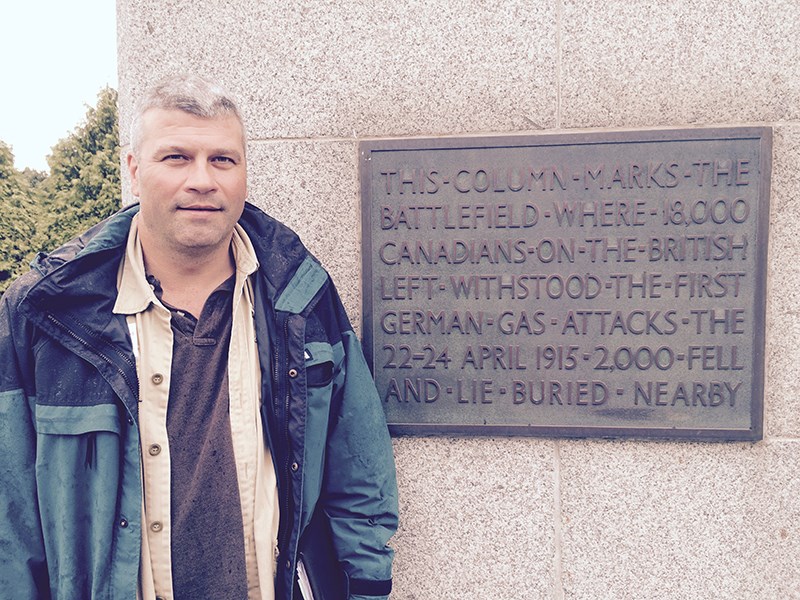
(526, 518)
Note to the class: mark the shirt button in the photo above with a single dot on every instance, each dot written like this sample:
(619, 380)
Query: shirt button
(123, 523)
(288, 564)
(295, 466)
(154, 450)
(157, 378)
(156, 526)
(292, 373)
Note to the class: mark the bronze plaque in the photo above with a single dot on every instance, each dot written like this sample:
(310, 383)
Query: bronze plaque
(588, 284)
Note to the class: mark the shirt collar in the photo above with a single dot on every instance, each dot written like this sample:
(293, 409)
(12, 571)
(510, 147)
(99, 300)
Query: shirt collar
(243, 252)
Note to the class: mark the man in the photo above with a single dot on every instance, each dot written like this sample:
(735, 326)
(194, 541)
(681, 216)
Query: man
(181, 391)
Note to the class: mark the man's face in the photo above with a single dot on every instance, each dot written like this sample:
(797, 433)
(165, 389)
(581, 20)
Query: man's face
(191, 178)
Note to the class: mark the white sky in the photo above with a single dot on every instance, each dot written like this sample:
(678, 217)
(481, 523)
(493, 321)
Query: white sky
(56, 57)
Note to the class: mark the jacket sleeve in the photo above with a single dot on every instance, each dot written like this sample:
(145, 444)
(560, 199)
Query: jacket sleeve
(23, 567)
(360, 492)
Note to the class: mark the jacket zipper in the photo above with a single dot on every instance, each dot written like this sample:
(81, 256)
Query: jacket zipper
(82, 341)
(118, 352)
(284, 543)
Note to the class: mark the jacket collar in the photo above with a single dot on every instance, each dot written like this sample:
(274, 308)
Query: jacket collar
(293, 276)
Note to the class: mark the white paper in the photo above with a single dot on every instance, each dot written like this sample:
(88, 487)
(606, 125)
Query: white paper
(302, 580)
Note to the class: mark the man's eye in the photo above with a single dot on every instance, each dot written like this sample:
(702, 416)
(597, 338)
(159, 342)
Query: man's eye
(174, 157)
(223, 159)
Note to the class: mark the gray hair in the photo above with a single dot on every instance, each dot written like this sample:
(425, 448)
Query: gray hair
(188, 93)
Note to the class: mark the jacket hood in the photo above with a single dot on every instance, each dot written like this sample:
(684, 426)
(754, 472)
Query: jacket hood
(109, 233)
(82, 271)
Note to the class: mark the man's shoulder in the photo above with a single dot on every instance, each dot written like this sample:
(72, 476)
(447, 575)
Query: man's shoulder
(110, 233)
(19, 288)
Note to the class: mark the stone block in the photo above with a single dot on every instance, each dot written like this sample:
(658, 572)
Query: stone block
(345, 69)
(643, 64)
(669, 521)
(782, 388)
(476, 519)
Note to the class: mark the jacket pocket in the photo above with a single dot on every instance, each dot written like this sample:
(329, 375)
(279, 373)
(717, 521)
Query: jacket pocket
(319, 364)
(70, 433)
(77, 420)
(319, 375)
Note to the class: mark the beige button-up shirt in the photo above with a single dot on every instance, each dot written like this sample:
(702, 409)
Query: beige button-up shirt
(151, 334)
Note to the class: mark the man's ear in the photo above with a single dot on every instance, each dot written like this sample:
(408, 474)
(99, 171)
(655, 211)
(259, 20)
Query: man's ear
(133, 171)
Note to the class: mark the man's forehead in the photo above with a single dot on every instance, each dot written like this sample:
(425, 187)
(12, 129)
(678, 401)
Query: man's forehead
(160, 119)
(173, 127)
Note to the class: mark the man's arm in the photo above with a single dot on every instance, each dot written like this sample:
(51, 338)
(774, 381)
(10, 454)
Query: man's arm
(360, 495)
(23, 567)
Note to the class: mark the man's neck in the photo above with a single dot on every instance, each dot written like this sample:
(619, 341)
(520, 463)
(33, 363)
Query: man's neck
(188, 280)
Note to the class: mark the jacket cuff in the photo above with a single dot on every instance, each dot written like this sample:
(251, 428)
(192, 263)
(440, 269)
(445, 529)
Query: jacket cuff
(365, 589)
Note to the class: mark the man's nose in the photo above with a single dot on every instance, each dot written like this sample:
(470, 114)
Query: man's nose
(200, 178)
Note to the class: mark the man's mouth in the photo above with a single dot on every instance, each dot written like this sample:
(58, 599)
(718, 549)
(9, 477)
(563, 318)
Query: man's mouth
(200, 207)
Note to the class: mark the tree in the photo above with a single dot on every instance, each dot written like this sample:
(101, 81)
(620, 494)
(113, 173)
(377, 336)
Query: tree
(17, 223)
(39, 211)
(84, 182)
(33, 177)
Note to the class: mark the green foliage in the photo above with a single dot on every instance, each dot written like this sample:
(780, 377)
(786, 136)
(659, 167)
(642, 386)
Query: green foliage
(84, 182)
(40, 211)
(33, 177)
(17, 224)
